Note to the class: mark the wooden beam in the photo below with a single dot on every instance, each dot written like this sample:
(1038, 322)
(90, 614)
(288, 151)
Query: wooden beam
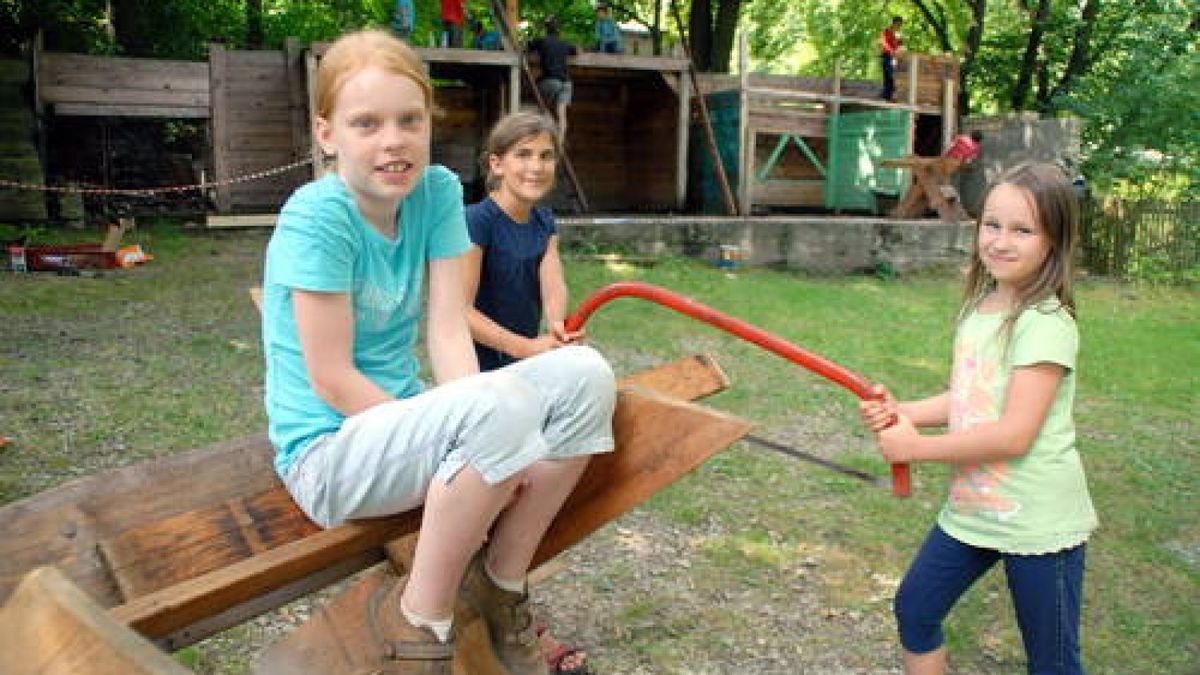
(247, 220)
(218, 64)
(659, 439)
(177, 606)
(112, 110)
(50, 626)
(682, 134)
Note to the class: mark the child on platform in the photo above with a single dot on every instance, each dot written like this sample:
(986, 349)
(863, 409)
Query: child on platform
(357, 433)
(1018, 493)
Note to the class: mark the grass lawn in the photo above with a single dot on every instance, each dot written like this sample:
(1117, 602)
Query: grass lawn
(101, 372)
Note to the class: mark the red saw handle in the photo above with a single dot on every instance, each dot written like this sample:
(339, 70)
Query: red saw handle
(857, 384)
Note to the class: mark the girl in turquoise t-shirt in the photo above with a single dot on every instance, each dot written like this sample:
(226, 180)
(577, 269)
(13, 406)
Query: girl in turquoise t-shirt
(357, 433)
(1018, 492)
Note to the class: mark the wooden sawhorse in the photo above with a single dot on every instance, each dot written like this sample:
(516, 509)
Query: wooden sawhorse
(931, 187)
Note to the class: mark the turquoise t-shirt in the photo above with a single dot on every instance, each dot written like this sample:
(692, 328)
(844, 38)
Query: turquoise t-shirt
(322, 243)
(1038, 503)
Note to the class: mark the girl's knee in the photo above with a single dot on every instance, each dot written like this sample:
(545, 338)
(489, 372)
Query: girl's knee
(586, 366)
(920, 629)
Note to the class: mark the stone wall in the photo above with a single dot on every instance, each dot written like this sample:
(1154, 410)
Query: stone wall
(1011, 139)
(825, 244)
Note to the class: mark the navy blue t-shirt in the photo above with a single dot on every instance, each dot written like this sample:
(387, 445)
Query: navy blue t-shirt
(509, 292)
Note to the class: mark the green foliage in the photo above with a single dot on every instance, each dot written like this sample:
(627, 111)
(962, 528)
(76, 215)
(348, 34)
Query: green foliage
(777, 35)
(1141, 101)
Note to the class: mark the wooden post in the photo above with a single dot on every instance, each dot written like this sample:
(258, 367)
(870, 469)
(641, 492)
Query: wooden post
(298, 110)
(949, 118)
(310, 76)
(681, 140)
(831, 129)
(706, 122)
(746, 134)
(219, 115)
(514, 89)
(913, 84)
(514, 14)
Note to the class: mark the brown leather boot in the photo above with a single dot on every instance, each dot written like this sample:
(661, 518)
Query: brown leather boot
(359, 631)
(509, 621)
(407, 649)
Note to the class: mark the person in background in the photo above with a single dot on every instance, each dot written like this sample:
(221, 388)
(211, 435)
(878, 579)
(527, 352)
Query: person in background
(608, 34)
(555, 83)
(1018, 494)
(964, 149)
(890, 46)
(488, 40)
(454, 16)
(402, 19)
(514, 277)
(490, 456)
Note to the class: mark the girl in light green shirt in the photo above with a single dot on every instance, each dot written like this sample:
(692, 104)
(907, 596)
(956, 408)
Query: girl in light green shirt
(1018, 492)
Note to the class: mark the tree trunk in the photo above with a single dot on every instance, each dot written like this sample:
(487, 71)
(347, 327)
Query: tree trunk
(1033, 47)
(254, 24)
(700, 34)
(937, 23)
(726, 28)
(1081, 51)
(974, 39)
(126, 28)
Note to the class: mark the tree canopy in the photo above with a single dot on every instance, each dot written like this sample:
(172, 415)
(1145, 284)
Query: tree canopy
(1129, 69)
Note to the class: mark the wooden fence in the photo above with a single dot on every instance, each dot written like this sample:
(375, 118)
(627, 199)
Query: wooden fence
(1142, 239)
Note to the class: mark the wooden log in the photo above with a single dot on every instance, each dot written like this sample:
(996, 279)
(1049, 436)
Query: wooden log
(50, 627)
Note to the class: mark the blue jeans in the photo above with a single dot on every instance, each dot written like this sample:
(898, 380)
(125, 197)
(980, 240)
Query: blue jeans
(889, 77)
(1047, 591)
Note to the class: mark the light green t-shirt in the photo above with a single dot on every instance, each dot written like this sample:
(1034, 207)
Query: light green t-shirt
(1038, 503)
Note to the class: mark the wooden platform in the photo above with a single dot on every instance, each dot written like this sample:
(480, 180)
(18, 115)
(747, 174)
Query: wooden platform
(189, 545)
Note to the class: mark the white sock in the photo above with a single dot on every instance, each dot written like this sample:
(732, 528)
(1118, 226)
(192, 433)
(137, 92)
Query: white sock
(440, 628)
(517, 586)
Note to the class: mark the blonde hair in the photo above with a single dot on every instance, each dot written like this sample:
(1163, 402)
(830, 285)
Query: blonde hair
(1056, 208)
(511, 130)
(352, 52)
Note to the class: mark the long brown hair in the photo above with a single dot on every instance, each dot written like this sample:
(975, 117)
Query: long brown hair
(511, 130)
(1056, 207)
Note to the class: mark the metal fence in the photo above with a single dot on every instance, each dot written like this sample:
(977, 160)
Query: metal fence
(1145, 239)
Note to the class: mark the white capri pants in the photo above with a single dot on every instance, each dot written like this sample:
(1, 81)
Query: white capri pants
(556, 405)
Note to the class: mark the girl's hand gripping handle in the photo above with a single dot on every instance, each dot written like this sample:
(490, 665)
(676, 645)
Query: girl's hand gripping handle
(879, 411)
(901, 474)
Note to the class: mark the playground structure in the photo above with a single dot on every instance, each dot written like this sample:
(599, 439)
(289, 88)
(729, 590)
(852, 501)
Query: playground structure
(787, 143)
(820, 143)
(628, 135)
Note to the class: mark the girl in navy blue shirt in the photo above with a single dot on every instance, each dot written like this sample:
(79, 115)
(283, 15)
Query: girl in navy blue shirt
(514, 275)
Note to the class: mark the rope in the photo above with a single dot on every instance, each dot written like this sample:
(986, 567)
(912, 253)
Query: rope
(146, 192)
